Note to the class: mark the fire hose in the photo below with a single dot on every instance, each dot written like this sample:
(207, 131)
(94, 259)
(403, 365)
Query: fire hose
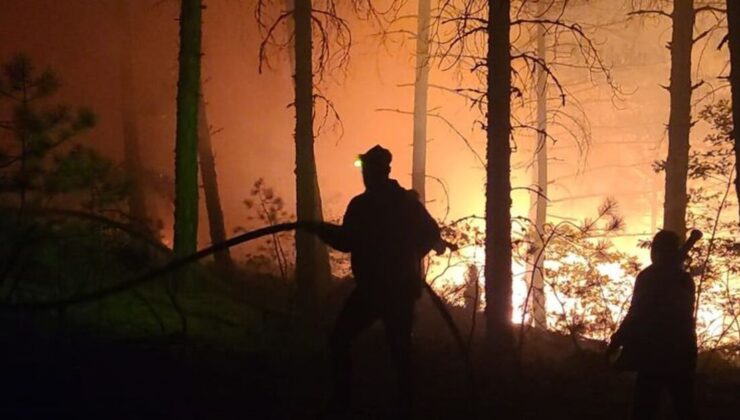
(181, 262)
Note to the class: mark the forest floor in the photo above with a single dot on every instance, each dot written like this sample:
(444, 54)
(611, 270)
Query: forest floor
(236, 364)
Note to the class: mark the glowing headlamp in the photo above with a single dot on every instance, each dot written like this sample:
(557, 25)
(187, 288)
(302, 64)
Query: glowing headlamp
(358, 162)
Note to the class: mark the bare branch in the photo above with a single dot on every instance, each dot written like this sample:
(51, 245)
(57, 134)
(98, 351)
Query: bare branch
(650, 12)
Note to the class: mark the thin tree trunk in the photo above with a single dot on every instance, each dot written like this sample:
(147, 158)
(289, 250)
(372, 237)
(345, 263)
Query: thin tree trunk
(733, 24)
(498, 186)
(540, 218)
(290, 28)
(186, 148)
(654, 205)
(312, 259)
(207, 161)
(421, 88)
(679, 124)
(131, 149)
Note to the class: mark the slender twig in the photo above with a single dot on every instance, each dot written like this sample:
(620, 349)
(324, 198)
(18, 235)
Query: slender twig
(712, 238)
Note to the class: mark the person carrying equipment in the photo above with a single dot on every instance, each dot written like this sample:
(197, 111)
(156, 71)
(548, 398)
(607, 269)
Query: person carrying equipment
(388, 232)
(658, 334)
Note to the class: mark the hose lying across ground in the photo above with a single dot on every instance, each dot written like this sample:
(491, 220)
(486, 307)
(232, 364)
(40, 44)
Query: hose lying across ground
(154, 273)
(189, 259)
(178, 263)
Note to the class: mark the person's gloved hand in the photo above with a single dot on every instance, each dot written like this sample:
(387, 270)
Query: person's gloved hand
(312, 227)
(329, 233)
(612, 350)
(441, 246)
(318, 228)
(613, 345)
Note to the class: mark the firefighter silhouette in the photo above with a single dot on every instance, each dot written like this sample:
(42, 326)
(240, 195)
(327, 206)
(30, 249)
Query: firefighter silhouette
(388, 232)
(658, 335)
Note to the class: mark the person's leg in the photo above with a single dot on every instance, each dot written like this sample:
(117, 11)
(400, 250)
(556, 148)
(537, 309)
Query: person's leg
(646, 402)
(398, 321)
(356, 315)
(681, 390)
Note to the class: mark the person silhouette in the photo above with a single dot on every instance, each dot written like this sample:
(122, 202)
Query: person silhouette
(658, 334)
(388, 232)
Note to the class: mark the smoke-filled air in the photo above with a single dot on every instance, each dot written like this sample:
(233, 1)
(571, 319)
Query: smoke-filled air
(366, 209)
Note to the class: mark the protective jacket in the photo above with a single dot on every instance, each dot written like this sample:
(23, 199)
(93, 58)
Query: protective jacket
(658, 333)
(388, 232)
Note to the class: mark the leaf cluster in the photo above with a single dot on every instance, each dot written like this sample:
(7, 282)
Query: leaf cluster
(274, 254)
(40, 158)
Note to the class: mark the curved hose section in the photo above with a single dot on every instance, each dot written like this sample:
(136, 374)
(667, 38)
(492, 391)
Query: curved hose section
(155, 273)
(236, 240)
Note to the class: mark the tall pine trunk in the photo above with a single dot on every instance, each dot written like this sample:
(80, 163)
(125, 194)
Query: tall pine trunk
(312, 259)
(679, 124)
(131, 147)
(421, 87)
(186, 147)
(498, 183)
(539, 314)
(733, 25)
(207, 161)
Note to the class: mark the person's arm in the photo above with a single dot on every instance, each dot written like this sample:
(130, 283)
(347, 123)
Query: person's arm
(429, 232)
(335, 236)
(630, 324)
(339, 237)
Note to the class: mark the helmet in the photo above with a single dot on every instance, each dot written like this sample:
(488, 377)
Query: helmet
(377, 156)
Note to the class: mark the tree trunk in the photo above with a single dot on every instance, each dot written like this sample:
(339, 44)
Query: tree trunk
(312, 260)
(290, 28)
(131, 149)
(421, 87)
(498, 186)
(186, 147)
(733, 25)
(679, 124)
(216, 224)
(539, 315)
(654, 205)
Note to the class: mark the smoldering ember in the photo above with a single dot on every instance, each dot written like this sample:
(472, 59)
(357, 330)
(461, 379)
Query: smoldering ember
(369, 209)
